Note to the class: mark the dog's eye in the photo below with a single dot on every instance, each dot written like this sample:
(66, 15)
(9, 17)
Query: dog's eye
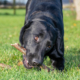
(37, 39)
(49, 46)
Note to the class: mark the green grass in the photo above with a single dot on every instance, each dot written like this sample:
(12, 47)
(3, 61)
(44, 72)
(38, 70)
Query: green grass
(10, 26)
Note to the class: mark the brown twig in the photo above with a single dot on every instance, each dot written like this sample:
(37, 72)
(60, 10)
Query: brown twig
(23, 50)
(5, 66)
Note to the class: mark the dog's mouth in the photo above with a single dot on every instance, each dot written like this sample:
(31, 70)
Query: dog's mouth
(26, 64)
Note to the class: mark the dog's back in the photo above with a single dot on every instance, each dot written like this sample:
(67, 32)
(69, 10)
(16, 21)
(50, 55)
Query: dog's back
(48, 8)
(41, 5)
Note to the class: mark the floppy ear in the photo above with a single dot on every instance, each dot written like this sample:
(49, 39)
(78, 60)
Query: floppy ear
(58, 49)
(27, 25)
(60, 44)
(57, 53)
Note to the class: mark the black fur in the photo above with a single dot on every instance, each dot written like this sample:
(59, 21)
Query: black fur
(44, 19)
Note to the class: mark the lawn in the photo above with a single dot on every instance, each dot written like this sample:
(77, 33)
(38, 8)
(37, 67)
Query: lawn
(10, 26)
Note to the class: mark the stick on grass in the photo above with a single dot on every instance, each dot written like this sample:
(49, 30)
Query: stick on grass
(18, 47)
(5, 66)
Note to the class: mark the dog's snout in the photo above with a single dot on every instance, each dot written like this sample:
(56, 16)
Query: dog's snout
(35, 62)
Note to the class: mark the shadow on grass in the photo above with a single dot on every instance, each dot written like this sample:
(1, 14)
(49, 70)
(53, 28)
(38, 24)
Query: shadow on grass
(72, 58)
(9, 14)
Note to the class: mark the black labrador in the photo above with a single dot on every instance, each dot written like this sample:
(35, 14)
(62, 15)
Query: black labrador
(42, 34)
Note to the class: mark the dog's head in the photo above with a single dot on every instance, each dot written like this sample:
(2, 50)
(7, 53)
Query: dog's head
(38, 37)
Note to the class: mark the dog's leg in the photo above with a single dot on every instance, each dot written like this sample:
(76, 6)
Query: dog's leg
(58, 64)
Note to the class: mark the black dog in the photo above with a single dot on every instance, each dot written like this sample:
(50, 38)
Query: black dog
(42, 34)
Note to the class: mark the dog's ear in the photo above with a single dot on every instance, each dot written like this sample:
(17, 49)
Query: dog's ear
(58, 49)
(57, 53)
(60, 44)
(26, 26)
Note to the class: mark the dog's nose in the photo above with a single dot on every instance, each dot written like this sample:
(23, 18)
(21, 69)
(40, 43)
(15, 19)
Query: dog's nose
(35, 62)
